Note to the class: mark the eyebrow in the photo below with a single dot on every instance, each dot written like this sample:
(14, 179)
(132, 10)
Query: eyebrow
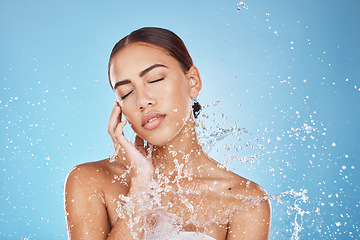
(141, 74)
(123, 82)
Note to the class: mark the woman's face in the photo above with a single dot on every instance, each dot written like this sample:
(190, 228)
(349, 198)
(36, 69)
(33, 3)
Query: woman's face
(153, 91)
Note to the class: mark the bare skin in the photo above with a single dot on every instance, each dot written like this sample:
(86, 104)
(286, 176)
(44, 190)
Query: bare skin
(190, 185)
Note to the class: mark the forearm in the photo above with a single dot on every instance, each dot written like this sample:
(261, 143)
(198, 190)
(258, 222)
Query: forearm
(134, 211)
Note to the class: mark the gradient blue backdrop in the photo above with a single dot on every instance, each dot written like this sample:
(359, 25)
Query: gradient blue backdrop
(285, 72)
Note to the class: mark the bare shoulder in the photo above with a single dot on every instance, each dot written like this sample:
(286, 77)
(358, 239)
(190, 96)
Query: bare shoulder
(94, 180)
(241, 191)
(84, 174)
(85, 169)
(253, 209)
(246, 187)
(89, 204)
(235, 184)
(85, 180)
(94, 173)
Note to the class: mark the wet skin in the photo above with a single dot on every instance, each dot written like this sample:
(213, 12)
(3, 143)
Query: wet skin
(225, 205)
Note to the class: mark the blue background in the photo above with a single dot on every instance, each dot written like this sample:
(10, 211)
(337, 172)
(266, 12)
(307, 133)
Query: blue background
(281, 99)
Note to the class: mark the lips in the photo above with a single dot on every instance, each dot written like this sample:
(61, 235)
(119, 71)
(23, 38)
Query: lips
(152, 120)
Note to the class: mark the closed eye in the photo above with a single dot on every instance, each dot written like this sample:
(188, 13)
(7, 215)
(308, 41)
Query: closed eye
(123, 97)
(158, 80)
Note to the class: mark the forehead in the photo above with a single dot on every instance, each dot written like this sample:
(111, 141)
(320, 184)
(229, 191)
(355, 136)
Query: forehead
(136, 57)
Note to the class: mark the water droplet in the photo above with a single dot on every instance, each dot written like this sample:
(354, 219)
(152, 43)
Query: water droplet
(216, 102)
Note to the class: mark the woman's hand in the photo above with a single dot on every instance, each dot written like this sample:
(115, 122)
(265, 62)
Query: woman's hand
(134, 155)
(142, 172)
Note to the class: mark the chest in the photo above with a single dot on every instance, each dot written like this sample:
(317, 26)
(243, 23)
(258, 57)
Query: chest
(185, 211)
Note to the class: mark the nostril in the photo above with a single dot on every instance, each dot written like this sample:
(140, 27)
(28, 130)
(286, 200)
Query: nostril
(144, 105)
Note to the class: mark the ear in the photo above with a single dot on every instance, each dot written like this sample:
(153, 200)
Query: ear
(194, 81)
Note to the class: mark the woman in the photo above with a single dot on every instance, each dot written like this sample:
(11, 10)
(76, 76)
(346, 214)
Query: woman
(167, 188)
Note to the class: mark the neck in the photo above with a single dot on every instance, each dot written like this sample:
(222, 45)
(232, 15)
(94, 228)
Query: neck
(178, 157)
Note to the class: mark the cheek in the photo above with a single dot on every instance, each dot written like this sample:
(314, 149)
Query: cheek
(180, 106)
(182, 100)
(128, 114)
(179, 92)
(133, 121)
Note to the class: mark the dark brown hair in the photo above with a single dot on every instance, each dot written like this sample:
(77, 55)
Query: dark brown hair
(164, 39)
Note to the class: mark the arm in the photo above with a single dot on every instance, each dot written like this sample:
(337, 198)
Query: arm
(85, 210)
(85, 207)
(132, 226)
(252, 222)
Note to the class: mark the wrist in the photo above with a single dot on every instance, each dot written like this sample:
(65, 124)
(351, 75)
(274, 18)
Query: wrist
(142, 183)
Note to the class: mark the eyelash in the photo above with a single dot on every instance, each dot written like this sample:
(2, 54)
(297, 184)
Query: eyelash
(158, 80)
(123, 97)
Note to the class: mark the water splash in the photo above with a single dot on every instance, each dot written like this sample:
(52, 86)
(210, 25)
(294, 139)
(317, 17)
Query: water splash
(209, 140)
(295, 201)
(241, 5)
(163, 220)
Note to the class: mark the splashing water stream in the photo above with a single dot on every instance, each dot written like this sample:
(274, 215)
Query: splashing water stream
(281, 84)
(162, 221)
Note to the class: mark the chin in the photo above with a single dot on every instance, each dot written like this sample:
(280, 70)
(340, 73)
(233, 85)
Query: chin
(163, 136)
(159, 139)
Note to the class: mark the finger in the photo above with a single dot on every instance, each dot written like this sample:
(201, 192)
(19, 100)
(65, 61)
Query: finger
(112, 119)
(113, 122)
(115, 118)
(139, 145)
(119, 129)
(119, 135)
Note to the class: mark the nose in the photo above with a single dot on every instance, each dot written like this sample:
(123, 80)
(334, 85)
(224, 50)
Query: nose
(144, 99)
